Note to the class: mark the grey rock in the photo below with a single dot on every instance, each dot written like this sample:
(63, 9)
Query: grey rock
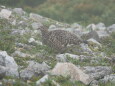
(85, 48)
(19, 11)
(100, 26)
(5, 13)
(102, 34)
(35, 25)
(97, 72)
(108, 78)
(63, 57)
(42, 80)
(75, 25)
(20, 54)
(111, 28)
(34, 69)
(10, 64)
(1, 83)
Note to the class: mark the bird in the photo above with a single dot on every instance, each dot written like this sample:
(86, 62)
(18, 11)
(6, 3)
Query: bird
(59, 39)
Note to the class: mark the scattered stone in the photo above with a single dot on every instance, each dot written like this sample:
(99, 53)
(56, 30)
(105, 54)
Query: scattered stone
(42, 80)
(10, 64)
(52, 27)
(68, 69)
(102, 34)
(5, 13)
(111, 28)
(108, 78)
(63, 57)
(34, 69)
(91, 27)
(97, 72)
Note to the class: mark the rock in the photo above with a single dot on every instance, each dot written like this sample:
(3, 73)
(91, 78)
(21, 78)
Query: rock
(35, 25)
(102, 34)
(68, 69)
(111, 28)
(75, 25)
(93, 42)
(85, 48)
(10, 64)
(2, 72)
(100, 26)
(5, 13)
(32, 40)
(19, 11)
(34, 69)
(20, 54)
(37, 18)
(42, 80)
(63, 57)
(108, 78)
(97, 72)
(91, 34)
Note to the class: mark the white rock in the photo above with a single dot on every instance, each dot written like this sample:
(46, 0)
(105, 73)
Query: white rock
(68, 69)
(93, 42)
(5, 13)
(75, 25)
(43, 79)
(10, 64)
(31, 40)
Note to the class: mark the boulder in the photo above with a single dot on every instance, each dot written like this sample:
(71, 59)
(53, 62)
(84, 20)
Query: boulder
(33, 69)
(97, 72)
(5, 13)
(9, 63)
(69, 69)
(108, 78)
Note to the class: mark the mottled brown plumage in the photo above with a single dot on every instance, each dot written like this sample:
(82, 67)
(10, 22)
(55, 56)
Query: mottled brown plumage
(59, 39)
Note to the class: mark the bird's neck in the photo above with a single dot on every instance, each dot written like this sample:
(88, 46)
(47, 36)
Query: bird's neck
(44, 32)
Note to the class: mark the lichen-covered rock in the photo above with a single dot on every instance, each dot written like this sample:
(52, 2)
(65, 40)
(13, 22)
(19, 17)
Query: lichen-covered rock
(97, 72)
(69, 69)
(34, 69)
(10, 64)
(19, 11)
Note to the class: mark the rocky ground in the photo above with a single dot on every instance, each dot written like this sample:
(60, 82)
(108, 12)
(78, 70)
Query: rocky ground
(25, 61)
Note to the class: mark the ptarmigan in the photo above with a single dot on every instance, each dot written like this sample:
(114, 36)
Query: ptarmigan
(59, 39)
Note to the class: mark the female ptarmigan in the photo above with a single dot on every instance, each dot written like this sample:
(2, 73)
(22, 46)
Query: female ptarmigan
(59, 39)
